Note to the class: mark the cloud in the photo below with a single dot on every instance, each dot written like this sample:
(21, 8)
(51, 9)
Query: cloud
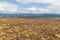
(33, 10)
(54, 6)
(30, 6)
(13, 7)
(35, 1)
(8, 7)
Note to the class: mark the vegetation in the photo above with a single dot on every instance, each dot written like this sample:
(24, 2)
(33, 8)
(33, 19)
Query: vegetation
(29, 29)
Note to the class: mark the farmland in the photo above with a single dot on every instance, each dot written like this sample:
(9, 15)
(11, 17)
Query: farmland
(29, 29)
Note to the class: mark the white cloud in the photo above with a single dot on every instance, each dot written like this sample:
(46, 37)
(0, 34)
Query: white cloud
(35, 1)
(34, 10)
(54, 8)
(52, 2)
(7, 7)
(11, 7)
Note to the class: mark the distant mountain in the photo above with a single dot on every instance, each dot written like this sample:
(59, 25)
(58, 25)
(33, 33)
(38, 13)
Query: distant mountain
(18, 15)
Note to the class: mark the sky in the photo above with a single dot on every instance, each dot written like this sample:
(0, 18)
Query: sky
(30, 6)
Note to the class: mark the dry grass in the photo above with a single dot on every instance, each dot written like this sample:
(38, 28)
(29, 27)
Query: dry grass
(29, 29)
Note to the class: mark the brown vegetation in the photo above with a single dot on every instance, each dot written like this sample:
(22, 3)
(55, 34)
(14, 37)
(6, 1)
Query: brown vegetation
(29, 29)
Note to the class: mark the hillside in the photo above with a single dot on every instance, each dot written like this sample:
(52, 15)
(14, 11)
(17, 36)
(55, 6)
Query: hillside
(29, 29)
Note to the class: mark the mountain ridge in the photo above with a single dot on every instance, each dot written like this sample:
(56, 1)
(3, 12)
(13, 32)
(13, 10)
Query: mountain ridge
(18, 15)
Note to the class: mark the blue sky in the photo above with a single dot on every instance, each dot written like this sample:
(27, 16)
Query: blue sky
(30, 6)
